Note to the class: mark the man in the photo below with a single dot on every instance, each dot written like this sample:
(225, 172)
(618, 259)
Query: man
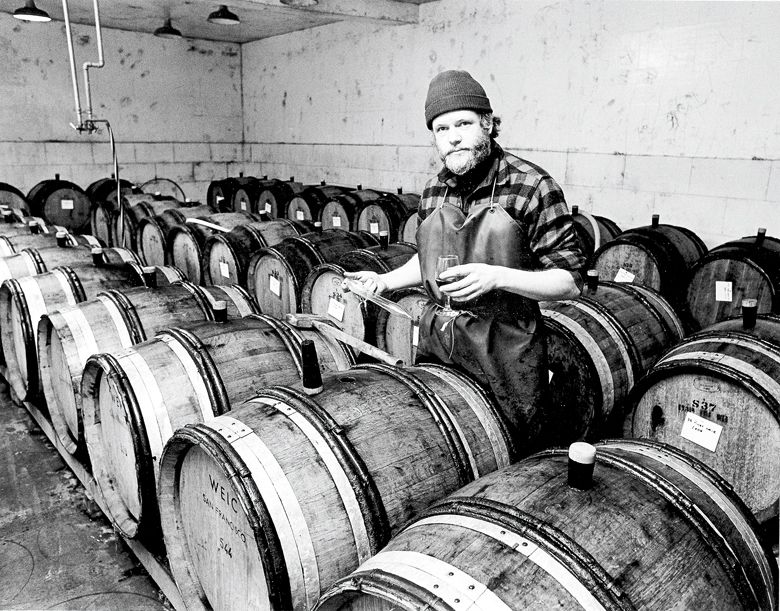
(507, 221)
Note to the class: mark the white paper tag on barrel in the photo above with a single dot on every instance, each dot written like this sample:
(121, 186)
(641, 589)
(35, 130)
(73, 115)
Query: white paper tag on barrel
(415, 335)
(336, 309)
(242, 203)
(67, 204)
(220, 199)
(299, 215)
(373, 228)
(337, 221)
(723, 291)
(624, 275)
(275, 286)
(224, 270)
(701, 431)
(203, 223)
(268, 208)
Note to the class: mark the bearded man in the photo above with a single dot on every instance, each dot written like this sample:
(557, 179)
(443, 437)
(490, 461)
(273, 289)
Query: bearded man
(507, 221)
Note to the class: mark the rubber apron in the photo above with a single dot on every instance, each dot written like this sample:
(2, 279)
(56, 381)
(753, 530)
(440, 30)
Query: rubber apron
(498, 337)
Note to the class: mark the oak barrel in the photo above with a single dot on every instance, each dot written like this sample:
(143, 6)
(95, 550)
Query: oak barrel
(226, 255)
(307, 204)
(598, 346)
(13, 198)
(592, 230)
(657, 530)
(14, 244)
(124, 222)
(322, 293)
(185, 243)
(388, 213)
(61, 202)
(341, 211)
(313, 486)
(409, 229)
(103, 197)
(24, 300)
(73, 251)
(219, 195)
(115, 319)
(246, 195)
(164, 187)
(276, 195)
(396, 335)
(135, 399)
(716, 396)
(276, 274)
(748, 268)
(658, 256)
(153, 231)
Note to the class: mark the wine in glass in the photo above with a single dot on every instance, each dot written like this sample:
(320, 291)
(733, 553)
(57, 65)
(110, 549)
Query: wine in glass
(444, 263)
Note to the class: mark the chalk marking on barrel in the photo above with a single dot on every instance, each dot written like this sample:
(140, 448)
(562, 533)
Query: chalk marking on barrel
(194, 376)
(736, 518)
(119, 323)
(524, 546)
(451, 583)
(285, 511)
(594, 350)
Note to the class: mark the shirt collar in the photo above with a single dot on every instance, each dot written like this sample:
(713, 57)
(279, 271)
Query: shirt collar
(483, 175)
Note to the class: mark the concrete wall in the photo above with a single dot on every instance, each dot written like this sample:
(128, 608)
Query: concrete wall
(635, 107)
(174, 106)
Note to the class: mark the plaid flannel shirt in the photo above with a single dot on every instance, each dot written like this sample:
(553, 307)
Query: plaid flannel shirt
(530, 196)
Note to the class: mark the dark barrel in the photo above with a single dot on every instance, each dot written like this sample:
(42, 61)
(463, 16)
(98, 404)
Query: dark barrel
(125, 220)
(164, 187)
(307, 204)
(593, 231)
(388, 213)
(219, 195)
(152, 232)
(13, 198)
(61, 202)
(103, 195)
(341, 211)
(276, 195)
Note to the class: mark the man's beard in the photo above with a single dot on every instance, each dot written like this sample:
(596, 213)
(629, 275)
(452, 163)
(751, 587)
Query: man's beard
(466, 160)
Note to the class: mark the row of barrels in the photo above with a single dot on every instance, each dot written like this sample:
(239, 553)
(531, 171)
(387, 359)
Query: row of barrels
(451, 432)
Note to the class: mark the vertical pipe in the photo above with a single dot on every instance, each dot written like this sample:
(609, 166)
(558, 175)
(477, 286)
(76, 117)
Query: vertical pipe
(99, 64)
(79, 125)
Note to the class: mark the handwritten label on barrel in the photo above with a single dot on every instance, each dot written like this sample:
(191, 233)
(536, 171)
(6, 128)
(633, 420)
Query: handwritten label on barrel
(337, 221)
(224, 269)
(624, 276)
(415, 335)
(723, 291)
(275, 286)
(67, 204)
(220, 199)
(299, 215)
(336, 309)
(268, 208)
(243, 205)
(701, 431)
(373, 227)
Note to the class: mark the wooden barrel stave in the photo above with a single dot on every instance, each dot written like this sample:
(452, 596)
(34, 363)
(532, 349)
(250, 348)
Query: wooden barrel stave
(719, 389)
(219, 195)
(388, 213)
(113, 320)
(185, 375)
(396, 335)
(409, 229)
(33, 261)
(593, 231)
(23, 301)
(125, 220)
(308, 203)
(61, 202)
(342, 211)
(226, 255)
(598, 347)
(152, 233)
(277, 196)
(357, 488)
(520, 538)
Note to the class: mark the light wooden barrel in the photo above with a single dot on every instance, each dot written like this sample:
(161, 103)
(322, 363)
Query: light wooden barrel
(17, 224)
(135, 399)
(716, 396)
(226, 255)
(766, 327)
(275, 196)
(307, 204)
(15, 244)
(185, 243)
(341, 211)
(124, 222)
(219, 195)
(593, 231)
(599, 345)
(657, 530)
(658, 256)
(395, 335)
(322, 293)
(409, 229)
(61, 202)
(24, 300)
(13, 198)
(102, 194)
(76, 251)
(388, 213)
(153, 231)
(276, 275)
(748, 268)
(287, 493)
(113, 320)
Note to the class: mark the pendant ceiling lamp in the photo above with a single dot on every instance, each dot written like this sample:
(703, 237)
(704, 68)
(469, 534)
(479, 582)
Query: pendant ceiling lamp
(223, 16)
(167, 30)
(300, 2)
(30, 12)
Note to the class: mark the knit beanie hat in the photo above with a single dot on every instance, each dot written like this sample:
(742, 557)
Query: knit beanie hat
(454, 90)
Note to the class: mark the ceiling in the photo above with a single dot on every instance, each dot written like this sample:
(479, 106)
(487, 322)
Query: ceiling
(259, 18)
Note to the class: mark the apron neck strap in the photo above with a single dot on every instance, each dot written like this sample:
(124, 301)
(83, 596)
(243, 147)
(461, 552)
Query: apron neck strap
(492, 194)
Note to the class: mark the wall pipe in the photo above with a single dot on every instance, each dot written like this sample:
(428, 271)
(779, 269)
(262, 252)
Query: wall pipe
(79, 122)
(99, 64)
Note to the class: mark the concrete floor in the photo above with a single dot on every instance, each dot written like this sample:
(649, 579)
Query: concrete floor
(57, 550)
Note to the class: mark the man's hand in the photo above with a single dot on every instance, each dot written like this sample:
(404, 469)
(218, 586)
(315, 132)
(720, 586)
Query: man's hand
(473, 280)
(371, 281)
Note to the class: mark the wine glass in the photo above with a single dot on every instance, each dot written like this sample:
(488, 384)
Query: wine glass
(442, 264)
